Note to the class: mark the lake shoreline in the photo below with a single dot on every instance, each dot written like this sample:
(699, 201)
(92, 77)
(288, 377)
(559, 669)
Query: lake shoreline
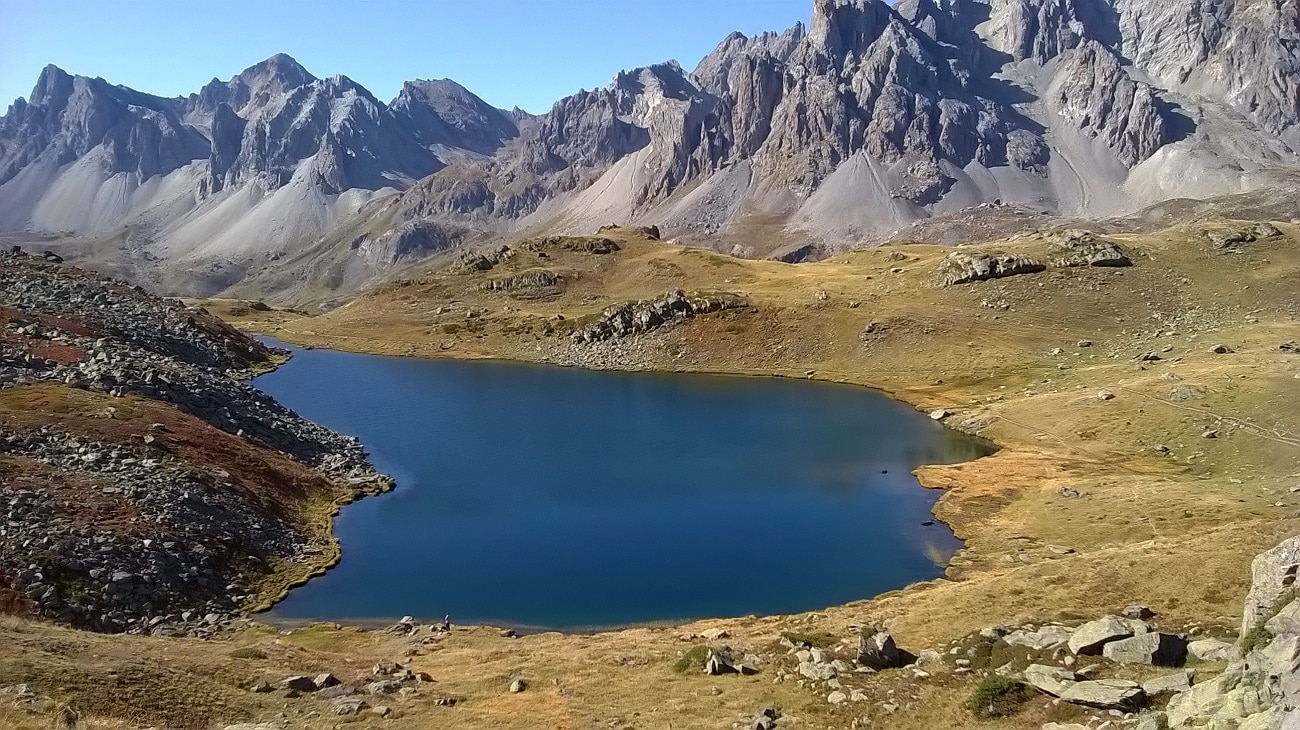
(328, 562)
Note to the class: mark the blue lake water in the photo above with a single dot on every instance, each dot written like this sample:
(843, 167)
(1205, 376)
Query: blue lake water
(544, 497)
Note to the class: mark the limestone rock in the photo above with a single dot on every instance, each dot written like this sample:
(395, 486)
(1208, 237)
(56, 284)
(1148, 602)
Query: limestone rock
(1212, 650)
(961, 267)
(1052, 680)
(820, 671)
(1105, 694)
(1095, 93)
(1043, 638)
(1092, 636)
(1168, 684)
(1084, 248)
(633, 318)
(1164, 650)
(1273, 575)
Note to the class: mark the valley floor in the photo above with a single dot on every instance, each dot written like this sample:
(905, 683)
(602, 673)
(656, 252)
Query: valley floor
(1137, 465)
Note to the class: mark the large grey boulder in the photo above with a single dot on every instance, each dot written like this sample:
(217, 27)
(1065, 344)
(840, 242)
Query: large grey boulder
(1052, 680)
(1092, 636)
(1273, 575)
(1168, 684)
(298, 683)
(1213, 650)
(1163, 650)
(877, 650)
(1105, 694)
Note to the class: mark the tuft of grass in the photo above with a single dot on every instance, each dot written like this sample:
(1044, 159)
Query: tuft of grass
(692, 660)
(819, 639)
(247, 652)
(998, 696)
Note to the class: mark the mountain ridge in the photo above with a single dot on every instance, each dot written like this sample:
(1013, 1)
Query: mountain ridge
(838, 132)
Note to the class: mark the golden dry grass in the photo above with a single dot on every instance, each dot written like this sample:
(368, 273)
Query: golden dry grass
(1172, 530)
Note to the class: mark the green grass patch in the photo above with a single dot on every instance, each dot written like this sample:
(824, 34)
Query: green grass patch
(692, 660)
(819, 639)
(998, 696)
(247, 652)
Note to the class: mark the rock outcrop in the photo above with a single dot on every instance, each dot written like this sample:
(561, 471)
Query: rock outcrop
(633, 318)
(148, 487)
(961, 267)
(1262, 688)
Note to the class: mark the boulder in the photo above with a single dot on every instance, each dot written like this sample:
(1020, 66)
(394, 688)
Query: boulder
(1213, 650)
(1285, 621)
(384, 687)
(518, 686)
(1044, 638)
(1092, 636)
(1105, 694)
(1052, 680)
(1162, 650)
(1168, 684)
(1152, 721)
(336, 691)
(298, 683)
(718, 663)
(325, 680)
(348, 706)
(877, 650)
(820, 671)
(1273, 574)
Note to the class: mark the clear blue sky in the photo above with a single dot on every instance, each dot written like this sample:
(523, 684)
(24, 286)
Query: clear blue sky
(510, 52)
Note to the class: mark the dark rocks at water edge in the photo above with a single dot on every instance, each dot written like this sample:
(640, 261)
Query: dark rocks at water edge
(116, 532)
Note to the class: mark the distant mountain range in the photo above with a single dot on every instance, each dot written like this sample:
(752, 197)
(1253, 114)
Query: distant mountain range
(869, 118)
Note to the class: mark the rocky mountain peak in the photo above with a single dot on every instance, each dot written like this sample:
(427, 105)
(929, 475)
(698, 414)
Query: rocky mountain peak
(841, 27)
(281, 71)
(442, 112)
(53, 83)
(1041, 30)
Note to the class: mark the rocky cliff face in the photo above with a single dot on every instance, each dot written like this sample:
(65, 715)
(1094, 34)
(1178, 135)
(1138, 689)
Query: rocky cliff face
(870, 117)
(69, 117)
